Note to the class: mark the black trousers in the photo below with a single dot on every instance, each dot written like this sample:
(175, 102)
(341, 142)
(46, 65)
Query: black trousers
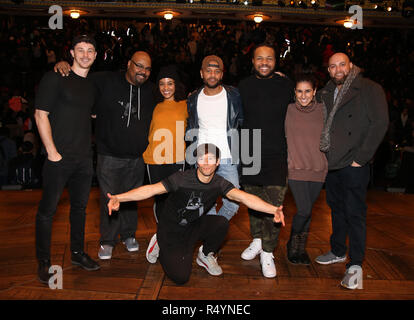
(118, 175)
(177, 247)
(305, 194)
(156, 173)
(76, 173)
(346, 191)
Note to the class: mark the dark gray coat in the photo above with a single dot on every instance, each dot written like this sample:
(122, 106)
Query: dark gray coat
(359, 124)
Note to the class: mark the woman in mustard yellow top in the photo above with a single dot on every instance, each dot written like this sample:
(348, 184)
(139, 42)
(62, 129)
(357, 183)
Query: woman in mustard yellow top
(165, 153)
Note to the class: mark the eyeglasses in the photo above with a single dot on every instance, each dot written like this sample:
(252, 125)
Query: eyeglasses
(141, 67)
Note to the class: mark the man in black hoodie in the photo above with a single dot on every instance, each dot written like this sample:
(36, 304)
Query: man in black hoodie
(124, 109)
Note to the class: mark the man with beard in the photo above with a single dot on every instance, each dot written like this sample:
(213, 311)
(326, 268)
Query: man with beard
(215, 112)
(265, 97)
(124, 107)
(355, 123)
(63, 117)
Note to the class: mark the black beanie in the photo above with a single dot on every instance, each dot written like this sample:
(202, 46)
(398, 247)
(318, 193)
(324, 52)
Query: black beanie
(168, 72)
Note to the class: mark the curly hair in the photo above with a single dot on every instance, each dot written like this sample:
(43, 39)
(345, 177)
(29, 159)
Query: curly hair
(179, 94)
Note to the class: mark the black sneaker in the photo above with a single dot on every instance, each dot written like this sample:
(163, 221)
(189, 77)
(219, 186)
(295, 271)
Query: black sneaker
(43, 271)
(83, 260)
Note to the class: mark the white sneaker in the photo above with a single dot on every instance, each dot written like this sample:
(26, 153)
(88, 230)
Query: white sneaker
(153, 250)
(268, 265)
(209, 262)
(105, 252)
(252, 250)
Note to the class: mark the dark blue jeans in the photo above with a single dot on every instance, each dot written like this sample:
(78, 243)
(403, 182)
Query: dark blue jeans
(346, 191)
(118, 175)
(76, 173)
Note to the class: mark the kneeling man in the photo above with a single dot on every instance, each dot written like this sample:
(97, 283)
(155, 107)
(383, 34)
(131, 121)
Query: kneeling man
(183, 221)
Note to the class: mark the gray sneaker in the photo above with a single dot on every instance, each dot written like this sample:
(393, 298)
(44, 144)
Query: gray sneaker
(153, 250)
(131, 244)
(353, 278)
(105, 252)
(329, 258)
(209, 262)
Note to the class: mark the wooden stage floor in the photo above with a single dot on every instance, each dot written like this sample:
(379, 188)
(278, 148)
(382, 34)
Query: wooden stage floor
(388, 269)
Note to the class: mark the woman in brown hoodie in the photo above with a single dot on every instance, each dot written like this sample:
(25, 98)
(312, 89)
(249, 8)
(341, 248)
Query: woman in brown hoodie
(307, 165)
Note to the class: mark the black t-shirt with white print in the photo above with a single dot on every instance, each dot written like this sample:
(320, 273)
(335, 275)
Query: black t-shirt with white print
(190, 198)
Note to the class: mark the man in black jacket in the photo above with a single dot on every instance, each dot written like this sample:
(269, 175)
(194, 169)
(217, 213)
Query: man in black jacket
(215, 115)
(124, 107)
(355, 124)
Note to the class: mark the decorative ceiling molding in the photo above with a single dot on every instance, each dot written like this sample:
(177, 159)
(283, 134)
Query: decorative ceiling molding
(215, 10)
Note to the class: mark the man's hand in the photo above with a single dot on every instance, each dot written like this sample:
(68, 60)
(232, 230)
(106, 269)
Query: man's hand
(279, 217)
(54, 157)
(62, 67)
(354, 164)
(113, 203)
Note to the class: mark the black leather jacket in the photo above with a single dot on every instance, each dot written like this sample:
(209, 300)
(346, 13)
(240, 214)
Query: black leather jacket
(234, 113)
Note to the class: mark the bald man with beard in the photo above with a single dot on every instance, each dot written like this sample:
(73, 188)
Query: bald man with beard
(123, 110)
(356, 119)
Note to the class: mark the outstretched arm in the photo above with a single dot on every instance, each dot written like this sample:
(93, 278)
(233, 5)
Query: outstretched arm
(140, 193)
(255, 203)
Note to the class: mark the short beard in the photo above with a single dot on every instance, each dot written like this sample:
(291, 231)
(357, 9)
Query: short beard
(138, 83)
(270, 75)
(339, 82)
(212, 86)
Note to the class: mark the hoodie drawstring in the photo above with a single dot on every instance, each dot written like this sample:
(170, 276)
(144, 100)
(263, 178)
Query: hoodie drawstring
(130, 105)
(139, 103)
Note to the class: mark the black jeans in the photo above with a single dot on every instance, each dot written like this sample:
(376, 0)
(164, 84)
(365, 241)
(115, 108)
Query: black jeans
(346, 191)
(305, 194)
(117, 175)
(156, 173)
(76, 173)
(177, 247)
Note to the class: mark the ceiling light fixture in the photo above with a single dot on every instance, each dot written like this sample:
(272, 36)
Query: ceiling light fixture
(348, 23)
(74, 14)
(168, 16)
(258, 18)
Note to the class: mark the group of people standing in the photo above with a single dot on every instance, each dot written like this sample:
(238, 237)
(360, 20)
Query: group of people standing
(307, 138)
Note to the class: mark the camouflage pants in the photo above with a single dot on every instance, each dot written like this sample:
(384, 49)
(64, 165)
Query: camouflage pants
(261, 224)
